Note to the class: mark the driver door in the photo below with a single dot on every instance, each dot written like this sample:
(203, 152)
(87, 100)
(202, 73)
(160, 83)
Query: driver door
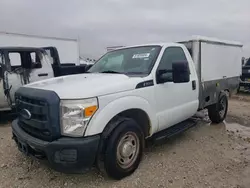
(40, 68)
(175, 102)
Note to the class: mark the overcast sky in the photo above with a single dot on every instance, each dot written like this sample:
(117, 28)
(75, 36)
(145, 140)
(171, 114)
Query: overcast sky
(102, 23)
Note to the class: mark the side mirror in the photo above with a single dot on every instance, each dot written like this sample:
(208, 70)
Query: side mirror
(181, 72)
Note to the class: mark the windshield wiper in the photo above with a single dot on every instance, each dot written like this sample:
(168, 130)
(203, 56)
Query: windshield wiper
(110, 71)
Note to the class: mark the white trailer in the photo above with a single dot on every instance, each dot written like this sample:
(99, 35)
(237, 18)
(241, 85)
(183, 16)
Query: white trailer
(217, 63)
(68, 48)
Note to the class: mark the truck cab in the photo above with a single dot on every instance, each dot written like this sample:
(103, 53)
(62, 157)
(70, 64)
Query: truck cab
(20, 66)
(104, 117)
(23, 65)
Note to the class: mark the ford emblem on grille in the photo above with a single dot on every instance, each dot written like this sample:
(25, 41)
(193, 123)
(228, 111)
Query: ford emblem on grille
(25, 114)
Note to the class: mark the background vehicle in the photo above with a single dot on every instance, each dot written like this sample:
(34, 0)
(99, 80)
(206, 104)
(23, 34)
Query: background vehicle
(23, 65)
(129, 95)
(245, 77)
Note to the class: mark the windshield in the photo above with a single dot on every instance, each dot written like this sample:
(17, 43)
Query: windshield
(135, 60)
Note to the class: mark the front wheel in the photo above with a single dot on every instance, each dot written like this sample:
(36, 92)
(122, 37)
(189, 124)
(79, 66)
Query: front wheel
(217, 112)
(124, 149)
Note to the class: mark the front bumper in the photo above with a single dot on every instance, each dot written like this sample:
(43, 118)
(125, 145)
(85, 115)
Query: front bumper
(69, 155)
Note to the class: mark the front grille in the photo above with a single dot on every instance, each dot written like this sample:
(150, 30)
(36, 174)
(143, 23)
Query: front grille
(38, 124)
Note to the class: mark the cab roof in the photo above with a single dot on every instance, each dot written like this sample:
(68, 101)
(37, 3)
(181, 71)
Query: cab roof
(150, 44)
(16, 48)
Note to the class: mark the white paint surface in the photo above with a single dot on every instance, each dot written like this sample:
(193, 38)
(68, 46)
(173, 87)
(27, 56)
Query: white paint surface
(87, 85)
(220, 61)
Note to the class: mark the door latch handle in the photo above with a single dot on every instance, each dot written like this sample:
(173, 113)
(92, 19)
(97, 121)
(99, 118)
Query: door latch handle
(43, 74)
(194, 85)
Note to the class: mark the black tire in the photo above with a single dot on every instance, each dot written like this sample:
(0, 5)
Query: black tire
(111, 162)
(217, 112)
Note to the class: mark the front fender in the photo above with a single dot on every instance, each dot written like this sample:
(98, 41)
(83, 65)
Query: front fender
(99, 121)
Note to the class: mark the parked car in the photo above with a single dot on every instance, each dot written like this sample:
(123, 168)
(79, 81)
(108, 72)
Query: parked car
(23, 65)
(129, 95)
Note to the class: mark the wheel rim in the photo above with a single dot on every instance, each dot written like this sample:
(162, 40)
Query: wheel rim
(128, 150)
(223, 107)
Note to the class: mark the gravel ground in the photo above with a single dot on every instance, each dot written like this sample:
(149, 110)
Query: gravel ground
(204, 156)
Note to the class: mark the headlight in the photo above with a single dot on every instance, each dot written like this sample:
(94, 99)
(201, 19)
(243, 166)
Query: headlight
(75, 115)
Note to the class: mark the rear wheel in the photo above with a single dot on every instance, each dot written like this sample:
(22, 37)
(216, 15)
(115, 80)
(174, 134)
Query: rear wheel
(124, 149)
(217, 112)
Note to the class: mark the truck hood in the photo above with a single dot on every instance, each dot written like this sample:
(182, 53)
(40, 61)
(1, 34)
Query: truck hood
(87, 85)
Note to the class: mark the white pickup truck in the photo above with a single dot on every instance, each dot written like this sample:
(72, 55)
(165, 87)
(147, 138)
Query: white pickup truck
(104, 117)
(23, 65)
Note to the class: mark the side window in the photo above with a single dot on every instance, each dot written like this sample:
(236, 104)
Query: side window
(1, 58)
(49, 55)
(170, 55)
(15, 59)
(1, 63)
(48, 52)
(35, 60)
(33, 56)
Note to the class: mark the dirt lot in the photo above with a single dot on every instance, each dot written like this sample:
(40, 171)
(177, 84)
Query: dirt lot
(204, 156)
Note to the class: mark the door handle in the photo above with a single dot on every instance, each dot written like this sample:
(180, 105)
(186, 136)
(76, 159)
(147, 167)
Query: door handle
(194, 85)
(43, 74)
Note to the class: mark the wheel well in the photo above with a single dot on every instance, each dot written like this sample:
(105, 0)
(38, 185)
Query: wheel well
(138, 115)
